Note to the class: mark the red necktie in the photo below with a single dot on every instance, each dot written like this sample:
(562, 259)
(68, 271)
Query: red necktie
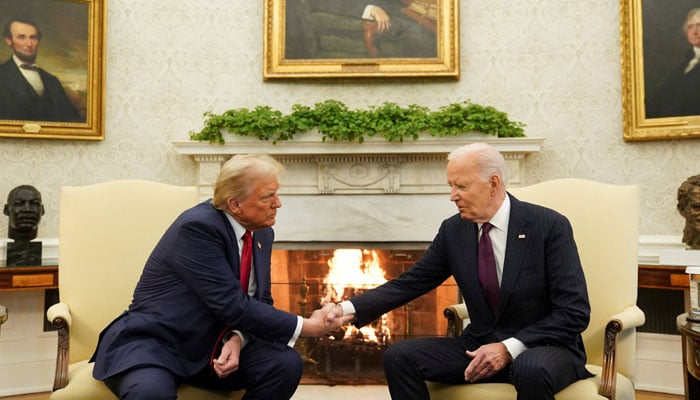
(246, 260)
(488, 276)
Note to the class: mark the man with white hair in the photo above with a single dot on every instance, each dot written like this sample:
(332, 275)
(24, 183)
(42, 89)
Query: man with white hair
(518, 268)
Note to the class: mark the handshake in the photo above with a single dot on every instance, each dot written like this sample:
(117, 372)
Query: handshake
(324, 320)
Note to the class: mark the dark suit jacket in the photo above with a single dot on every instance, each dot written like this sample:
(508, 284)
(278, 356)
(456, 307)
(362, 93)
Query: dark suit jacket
(543, 295)
(188, 293)
(19, 100)
(679, 95)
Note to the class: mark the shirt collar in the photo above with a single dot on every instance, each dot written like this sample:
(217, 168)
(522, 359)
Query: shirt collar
(238, 229)
(500, 219)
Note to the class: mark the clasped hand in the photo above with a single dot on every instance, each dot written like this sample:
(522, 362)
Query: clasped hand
(324, 320)
(227, 362)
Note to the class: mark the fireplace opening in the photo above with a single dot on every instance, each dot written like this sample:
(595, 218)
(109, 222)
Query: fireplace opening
(304, 279)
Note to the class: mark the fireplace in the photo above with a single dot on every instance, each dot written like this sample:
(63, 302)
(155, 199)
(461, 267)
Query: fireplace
(303, 280)
(383, 199)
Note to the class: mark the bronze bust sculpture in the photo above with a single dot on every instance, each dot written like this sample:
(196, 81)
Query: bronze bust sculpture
(689, 208)
(24, 207)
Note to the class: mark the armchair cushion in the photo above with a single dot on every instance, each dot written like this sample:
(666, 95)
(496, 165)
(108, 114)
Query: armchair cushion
(83, 386)
(583, 389)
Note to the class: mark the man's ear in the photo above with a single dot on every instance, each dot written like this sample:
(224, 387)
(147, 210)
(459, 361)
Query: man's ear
(495, 183)
(233, 206)
(6, 211)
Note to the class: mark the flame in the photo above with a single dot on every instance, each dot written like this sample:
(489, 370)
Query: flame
(351, 270)
(354, 269)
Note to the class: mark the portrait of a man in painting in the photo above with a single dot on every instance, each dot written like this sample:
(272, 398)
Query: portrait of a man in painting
(672, 51)
(43, 65)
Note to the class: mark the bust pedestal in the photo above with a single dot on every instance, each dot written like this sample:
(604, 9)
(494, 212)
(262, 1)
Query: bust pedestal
(23, 254)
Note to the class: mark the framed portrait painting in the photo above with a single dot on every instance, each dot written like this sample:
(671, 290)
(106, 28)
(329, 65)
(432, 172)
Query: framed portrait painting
(361, 39)
(52, 69)
(660, 69)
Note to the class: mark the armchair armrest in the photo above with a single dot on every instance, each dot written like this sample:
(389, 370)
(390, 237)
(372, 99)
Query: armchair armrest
(60, 317)
(456, 314)
(631, 317)
(3, 314)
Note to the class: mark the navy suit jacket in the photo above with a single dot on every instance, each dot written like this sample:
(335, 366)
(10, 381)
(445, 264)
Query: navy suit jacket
(188, 293)
(19, 100)
(543, 296)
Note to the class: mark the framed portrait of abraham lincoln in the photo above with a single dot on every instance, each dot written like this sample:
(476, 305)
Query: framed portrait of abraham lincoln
(361, 39)
(52, 69)
(660, 43)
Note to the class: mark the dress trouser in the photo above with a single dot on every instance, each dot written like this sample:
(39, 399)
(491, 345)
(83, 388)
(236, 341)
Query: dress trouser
(266, 372)
(537, 373)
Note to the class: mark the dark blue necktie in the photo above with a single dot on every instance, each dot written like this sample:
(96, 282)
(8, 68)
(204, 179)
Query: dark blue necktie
(488, 277)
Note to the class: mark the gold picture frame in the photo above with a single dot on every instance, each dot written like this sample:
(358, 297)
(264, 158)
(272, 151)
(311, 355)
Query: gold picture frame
(331, 39)
(70, 61)
(653, 46)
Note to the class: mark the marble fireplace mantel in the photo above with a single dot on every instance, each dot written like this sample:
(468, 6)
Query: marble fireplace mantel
(376, 191)
(373, 167)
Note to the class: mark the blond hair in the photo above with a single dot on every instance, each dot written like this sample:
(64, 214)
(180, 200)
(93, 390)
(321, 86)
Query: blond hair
(236, 177)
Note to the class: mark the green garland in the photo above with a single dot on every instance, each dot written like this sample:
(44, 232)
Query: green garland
(334, 121)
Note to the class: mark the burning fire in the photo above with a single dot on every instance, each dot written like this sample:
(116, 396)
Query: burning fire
(353, 270)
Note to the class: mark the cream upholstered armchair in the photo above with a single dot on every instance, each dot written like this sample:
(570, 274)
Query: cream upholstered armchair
(605, 220)
(106, 232)
(3, 314)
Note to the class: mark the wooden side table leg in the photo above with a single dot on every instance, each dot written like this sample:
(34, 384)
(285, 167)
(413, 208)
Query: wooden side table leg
(690, 342)
(686, 374)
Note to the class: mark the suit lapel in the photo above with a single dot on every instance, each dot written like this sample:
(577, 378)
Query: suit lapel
(19, 84)
(257, 256)
(233, 251)
(469, 233)
(516, 247)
